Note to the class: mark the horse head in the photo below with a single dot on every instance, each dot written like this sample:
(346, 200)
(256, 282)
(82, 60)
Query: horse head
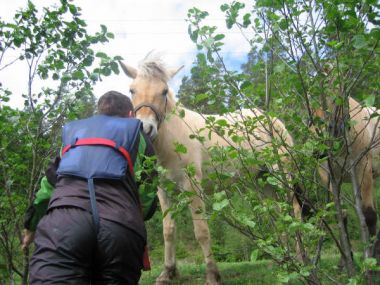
(151, 96)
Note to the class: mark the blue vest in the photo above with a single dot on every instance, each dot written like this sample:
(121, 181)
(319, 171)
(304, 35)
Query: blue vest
(99, 147)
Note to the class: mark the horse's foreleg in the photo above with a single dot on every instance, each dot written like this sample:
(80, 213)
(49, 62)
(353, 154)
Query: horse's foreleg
(170, 271)
(202, 234)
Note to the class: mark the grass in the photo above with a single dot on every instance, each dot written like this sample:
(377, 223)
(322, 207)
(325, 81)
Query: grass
(237, 273)
(247, 273)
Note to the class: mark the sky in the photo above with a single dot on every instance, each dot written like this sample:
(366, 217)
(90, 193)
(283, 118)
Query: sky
(139, 26)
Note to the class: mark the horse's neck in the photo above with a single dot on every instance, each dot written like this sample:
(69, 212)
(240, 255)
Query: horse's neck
(172, 129)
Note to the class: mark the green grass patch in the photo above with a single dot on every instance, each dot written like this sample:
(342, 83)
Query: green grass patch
(236, 273)
(247, 273)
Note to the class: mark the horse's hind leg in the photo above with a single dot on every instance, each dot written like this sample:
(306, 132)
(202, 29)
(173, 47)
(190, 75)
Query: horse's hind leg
(297, 210)
(365, 178)
(202, 234)
(170, 271)
(365, 169)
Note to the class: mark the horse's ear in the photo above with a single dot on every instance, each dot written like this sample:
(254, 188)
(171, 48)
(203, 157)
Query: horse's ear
(128, 70)
(174, 71)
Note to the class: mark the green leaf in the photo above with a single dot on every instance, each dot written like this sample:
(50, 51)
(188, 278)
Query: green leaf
(272, 181)
(180, 148)
(283, 24)
(237, 139)
(359, 42)
(254, 255)
(181, 113)
(94, 76)
(117, 58)
(101, 55)
(220, 195)
(104, 28)
(88, 60)
(217, 206)
(201, 97)
(352, 281)
(65, 78)
(224, 7)
(369, 101)
(73, 9)
(246, 20)
(191, 170)
(78, 75)
(222, 122)
(248, 222)
(219, 37)
(193, 35)
(115, 67)
(105, 71)
(370, 263)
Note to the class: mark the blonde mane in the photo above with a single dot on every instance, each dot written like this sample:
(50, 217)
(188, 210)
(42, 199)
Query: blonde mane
(153, 66)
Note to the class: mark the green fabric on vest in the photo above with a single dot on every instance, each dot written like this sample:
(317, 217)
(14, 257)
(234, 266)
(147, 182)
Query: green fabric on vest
(41, 202)
(45, 192)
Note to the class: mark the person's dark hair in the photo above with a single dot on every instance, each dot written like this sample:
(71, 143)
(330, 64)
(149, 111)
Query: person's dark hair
(114, 103)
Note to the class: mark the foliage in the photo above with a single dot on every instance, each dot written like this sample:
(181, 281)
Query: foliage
(57, 50)
(305, 55)
(194, 90)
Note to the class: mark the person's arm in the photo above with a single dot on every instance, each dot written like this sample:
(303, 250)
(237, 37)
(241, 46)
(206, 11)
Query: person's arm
(40, 203)
(147, 176)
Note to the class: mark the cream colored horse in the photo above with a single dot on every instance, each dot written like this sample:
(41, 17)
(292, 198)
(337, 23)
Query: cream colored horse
(364, 135)
(155, 105)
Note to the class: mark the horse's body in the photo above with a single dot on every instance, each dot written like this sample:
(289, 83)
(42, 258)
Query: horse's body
(154, 104)
(364, 136)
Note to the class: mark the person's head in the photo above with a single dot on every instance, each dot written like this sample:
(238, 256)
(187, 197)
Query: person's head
(113, 103)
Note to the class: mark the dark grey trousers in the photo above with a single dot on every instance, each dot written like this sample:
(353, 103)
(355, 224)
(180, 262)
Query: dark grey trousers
(68, 251)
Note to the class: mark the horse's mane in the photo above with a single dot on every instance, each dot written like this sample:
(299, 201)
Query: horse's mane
(153, 66)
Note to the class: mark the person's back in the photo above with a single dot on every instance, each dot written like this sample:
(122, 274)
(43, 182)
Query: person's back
(94, 229)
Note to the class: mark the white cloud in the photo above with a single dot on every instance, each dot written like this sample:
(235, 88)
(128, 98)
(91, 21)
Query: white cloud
(139, 27)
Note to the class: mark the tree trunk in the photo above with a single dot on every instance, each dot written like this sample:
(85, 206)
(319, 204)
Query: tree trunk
(343, 235)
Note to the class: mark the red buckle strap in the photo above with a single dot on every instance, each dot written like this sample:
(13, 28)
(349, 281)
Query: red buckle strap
(95, 141)
(128, 157)
(101, 141)
(65, 149)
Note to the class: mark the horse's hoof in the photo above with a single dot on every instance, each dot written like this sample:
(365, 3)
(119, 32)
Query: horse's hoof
(212, 275)
(167, 276)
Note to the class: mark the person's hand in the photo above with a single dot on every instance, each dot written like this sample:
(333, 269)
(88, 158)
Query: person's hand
(28, 237)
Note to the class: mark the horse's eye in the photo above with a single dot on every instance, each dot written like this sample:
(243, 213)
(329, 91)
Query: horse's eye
(132, 91)
(165, 92)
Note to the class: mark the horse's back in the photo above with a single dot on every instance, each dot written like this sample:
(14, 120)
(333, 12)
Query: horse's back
(257, 129)
(366, 129)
